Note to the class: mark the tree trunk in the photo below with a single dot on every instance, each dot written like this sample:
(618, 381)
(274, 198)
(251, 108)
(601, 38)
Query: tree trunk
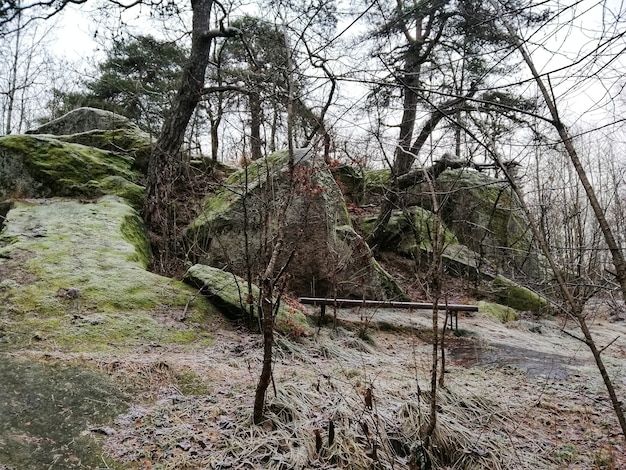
(267, 312)
(255, 125)
(165, 166)
(13, 74)
(215, 138)
(404, 160)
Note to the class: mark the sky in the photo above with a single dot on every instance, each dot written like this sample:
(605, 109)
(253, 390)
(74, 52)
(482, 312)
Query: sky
(584, 101)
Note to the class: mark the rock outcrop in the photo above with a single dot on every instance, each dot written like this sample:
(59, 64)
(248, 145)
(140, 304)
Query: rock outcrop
(485, 215)
(230, 293)
(325, 256)
(83, 120)
(36, 166)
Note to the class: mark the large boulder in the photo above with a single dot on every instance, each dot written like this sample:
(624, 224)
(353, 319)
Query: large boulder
(482, 213)
(37, 166)
(74, 274)
(75, 296)
(409, 234)
(238, 228)
(83, 120)
(103, 130)
(486, 216)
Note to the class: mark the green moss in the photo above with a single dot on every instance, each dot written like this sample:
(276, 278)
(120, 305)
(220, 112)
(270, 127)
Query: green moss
(55, 168)
(390, 288)
(518, 297)
(190, 383)
(118, 186)
(408, 231)
(486, 216)
(377, 180)
(128, 141)
(564, 454)
(100, 251)
(47, 411)
(215, 215)
(229, 293)
(134, 232)
(501, 313)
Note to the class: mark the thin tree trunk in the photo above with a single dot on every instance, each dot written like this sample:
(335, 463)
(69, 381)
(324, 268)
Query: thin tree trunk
(13, 85)
(255, 125)
(215, 138)
(616, 252)
(267, 312)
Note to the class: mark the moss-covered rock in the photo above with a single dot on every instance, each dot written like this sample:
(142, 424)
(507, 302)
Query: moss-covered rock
(51, 413)
(41, 166)
(410, 234)
(131, 142)
(78, 280)
(83, 120)
(485, 215)
(229, 292)
(511, 294)
(502, 313)
(351, 182)
(243, 216)
(407, 230)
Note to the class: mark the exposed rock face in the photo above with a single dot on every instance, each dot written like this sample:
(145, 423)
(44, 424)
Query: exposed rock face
(229, 292)
(485, 215)
(481, 212)
(41, 166)
(103, 130)
(63, 257)
(410, 233)
(327, 257)
(83, 120)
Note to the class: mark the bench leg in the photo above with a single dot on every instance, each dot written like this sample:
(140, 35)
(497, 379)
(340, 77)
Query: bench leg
(322, 315)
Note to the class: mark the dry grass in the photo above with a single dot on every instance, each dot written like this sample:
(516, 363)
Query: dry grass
(318, 381)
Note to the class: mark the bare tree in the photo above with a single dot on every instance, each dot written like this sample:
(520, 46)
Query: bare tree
(27, 68)
(618, 260)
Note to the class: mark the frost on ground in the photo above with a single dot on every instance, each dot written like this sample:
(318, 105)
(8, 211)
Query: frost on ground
(513, 399)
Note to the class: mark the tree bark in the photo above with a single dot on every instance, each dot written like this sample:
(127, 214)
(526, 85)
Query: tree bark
(267, 312)
(255, 125)
(165, 165)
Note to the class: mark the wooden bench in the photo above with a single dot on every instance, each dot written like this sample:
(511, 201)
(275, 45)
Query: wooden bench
(452, 310)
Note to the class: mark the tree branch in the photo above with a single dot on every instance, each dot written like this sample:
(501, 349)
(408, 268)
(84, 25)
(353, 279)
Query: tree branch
(217, 89)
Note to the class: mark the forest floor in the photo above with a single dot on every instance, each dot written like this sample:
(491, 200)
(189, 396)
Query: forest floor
(513, 398)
